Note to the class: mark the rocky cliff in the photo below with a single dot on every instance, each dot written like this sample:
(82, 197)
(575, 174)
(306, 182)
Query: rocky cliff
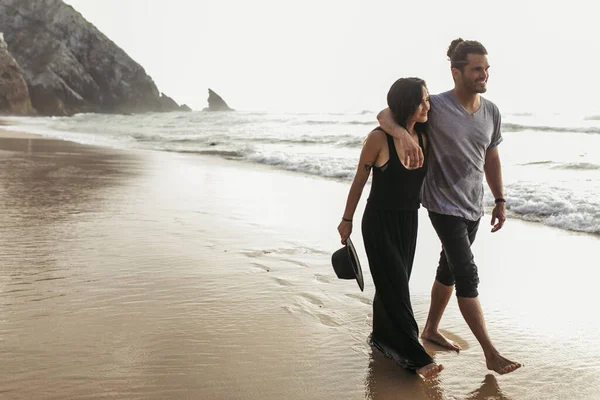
(14, 95)
(70, 66)
(216, 103)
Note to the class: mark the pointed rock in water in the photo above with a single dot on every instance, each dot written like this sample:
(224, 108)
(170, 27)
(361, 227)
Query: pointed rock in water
(14, 94)
(72, 67)
(216, 103)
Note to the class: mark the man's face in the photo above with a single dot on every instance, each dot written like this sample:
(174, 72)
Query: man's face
(474, 75)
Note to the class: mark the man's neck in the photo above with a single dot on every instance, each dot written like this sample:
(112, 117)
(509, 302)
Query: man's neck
(469, 100)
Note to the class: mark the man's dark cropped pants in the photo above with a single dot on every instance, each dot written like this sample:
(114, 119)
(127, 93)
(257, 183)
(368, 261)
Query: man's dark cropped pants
(456, 266)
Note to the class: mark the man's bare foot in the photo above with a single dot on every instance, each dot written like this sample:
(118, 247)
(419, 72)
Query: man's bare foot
(430, 370)
(439, 339)
(501, 365)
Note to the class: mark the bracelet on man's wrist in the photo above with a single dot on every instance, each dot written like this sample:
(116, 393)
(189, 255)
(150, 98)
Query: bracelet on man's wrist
(500, 200)
(346, 219)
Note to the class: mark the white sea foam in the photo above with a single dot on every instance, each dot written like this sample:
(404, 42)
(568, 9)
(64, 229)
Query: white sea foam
(552, 163)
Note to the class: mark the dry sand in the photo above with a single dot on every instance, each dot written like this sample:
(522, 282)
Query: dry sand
(144, 275)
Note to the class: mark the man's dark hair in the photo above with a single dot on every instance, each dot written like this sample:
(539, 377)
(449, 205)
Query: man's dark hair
(404, 97)
(459, 50)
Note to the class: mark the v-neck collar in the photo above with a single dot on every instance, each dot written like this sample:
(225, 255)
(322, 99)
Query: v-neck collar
(459, 104)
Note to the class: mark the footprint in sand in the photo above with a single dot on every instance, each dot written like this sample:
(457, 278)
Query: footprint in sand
(324, 278)
(295, 262)
(257, 253)
(328, 320)
(289, 309)
(312, 299)
(49, 279)
(283, 282)
(362, 299)
(308, 250)
(260, 268)
(312, 306)
(285, 251)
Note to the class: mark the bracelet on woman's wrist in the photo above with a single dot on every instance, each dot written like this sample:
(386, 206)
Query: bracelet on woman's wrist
(500, 200)
(346, 219)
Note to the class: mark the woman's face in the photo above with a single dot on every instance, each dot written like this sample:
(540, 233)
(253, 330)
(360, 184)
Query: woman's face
(420, 114)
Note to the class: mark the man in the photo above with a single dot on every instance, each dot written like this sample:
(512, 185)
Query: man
(464, 132)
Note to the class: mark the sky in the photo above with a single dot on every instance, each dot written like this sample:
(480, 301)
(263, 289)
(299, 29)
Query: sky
(343, 55)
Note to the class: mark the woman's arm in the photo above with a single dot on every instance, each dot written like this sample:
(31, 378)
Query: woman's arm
(368, 156)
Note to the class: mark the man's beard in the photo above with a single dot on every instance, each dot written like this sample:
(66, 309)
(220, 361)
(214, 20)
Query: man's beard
(473, 86)
(476, 88)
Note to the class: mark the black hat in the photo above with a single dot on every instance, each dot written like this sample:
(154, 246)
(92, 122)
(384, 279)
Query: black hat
(346, 265)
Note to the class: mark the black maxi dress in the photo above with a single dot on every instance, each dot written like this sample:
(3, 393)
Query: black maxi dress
(389, 229)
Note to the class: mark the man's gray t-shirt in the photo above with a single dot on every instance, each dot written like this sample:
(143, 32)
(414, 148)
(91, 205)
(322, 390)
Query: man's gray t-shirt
(458, 142)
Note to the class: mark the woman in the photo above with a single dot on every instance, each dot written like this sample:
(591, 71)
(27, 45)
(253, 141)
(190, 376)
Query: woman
(389, 226)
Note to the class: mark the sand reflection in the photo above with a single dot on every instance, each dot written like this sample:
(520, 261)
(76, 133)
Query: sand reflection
(385, 380)
(38, 180)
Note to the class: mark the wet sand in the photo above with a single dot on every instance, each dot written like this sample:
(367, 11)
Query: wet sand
(146, 275)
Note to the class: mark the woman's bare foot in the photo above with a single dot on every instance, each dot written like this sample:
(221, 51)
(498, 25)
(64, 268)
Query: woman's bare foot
(439, 339)
(501, 365)
(430, 370)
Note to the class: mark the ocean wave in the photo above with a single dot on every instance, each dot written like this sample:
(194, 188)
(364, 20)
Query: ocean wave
(336, 170)
(511, 127)
(80, 115)
(286, 142)
(337, 140)
(578, 166)
(205, 140)
(520, 114)
(537, 163)
(592, 118)
(553, 206)
(228, 154)
(351, 141)
(340, 122)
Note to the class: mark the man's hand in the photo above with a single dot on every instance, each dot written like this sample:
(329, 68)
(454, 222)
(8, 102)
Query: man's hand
(410, 152)
(499, 215)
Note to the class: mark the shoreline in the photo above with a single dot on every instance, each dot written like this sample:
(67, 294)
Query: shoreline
(6, 133)
(512, 215)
